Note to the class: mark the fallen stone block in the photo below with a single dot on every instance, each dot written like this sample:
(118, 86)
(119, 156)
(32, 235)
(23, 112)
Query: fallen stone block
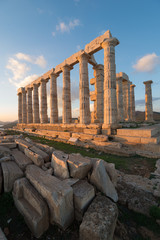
(2, 236)
(32, 206)
(41, 153)
(58, 195)
(101, 138)
(36, 159)
(83, 194)
(70, 181)
(64, 135)
(99, 221)
(21, 159)
(101, 180)
(157, 171)
(112, 172)
(5, 159)
(73, 140)
(59, 164)
(22, 144)
(45, 148)
(4, 151)
(11, 172)
(1, 179)
(78, 166)
(9, 145)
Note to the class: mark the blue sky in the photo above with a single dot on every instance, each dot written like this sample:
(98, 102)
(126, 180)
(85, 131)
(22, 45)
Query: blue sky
(35, 36)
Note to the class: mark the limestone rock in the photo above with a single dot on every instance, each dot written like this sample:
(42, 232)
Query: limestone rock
(78, 166)
(22, 144)
(73, 140)
(70, 181)
(11, 172)
(32, 206)
(2, 236)
(157, 171)
(59, 164)
(83, 194)
(57, 194)
(4, 151)
(110, 168)
(1, 179)
(101, 180)
(37, 159)
(9, 145)
(100, 220)
(45, 148)
(21, 159)
(41, 153)
(101, 138)
(5, 159)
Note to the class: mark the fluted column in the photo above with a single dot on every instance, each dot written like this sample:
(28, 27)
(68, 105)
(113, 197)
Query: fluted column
(24, 112)
(53, 98)
(132, 100)
(84, 111)
(43, 107)
(29, 106)
(148, 102)
(119, 91)
(36, 118)
(19, 107)
(126, 100)
(110, 99)
(66, 98)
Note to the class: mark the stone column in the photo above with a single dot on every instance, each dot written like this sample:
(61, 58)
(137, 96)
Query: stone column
(110, 100)
(132, 101)
(53, 98)
(29, 105)
(126, 100)
(19, 107)
(66, 98)
(43, 107)
(148, 102)
(119, 91)
(36, 118)
(84, 101)
(24, 110)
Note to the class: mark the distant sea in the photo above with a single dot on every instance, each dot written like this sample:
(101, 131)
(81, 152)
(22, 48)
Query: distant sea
(1, 127)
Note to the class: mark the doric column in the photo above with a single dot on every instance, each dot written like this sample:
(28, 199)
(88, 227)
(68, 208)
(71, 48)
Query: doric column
(24, 110)
(66, 98)
(19, 107)
(29, 105)
(148, 101)
(84, 101)
(126, 100)
(43, 107)
(132, 101)
(110, 100)
(53, 98)
(119, 91)
(99, 83)
(36, 118)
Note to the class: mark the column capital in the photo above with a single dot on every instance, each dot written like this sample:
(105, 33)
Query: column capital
(83, 55)
(109, 42)
(53, 75)
(43, 80)
(148, 82)
(122, 75)
(98, 67)
(66, 66)
(19, 91)
(36, 84)
(28, 88)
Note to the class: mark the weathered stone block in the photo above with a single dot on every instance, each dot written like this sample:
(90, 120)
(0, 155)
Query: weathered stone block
(100, 220)
(21, 159)
(58, 195)
(101, 180)
(2, 236)
(9, 145)
(4, 151)
(41, 153)
(78, 166)
(73, 140)
(70, 181)
(22, 144)
(11, 172)
(59, 164)
(101, 138)
(32, 206)
(45, 148)
(1, 179)
(37, 159)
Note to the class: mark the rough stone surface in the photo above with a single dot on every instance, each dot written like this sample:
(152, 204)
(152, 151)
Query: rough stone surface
(45, 148)
(32, 206)
(73, 140)
(1, 179)
(58, 195)
(2, 236)
(78, 166)
(70, 181)
(83, 194)
(41, 153)
(22, 144)
(5, 159)
(157, 171)
(9, 145)
(101, 180)
(4, 151)
(59, 164)
(11, 172)
(100, 220)
(21, 159)
(37, 159)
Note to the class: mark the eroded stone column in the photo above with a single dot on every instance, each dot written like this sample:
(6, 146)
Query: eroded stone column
(110, 99)
(29, 105)
(84, 110)
(36, 118)
(132, 101)
(24, 109)
(66, 98)
(43, 96)
(119, 91)
(19, 107)
(148, 101)
(53, 98)
(126, 100)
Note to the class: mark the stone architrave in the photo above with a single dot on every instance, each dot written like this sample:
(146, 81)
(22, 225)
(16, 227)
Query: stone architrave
(110, 99)
(53, 98)
(84, 111)
(29, 106)
(43, 106)
(24, 109)
(19, 107)
(132, 101)
(148, 101)
(66, 98)
(36, 118)
(119, 99)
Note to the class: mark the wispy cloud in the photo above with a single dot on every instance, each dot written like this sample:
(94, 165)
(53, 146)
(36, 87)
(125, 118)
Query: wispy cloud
(147, 63)
(40, 11)
(40, 60)
(63, 27)
(141, 102)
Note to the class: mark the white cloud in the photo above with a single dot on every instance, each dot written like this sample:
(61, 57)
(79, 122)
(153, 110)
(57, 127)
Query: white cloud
(24, 82)
(40, 60)
(78, 47)
(18, 69)
(148, 63)
(66, 27)
(23, 56)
